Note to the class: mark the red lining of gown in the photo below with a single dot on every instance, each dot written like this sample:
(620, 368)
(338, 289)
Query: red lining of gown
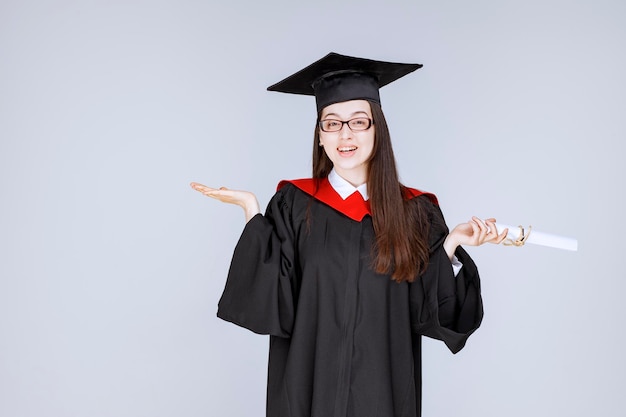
(354, 206)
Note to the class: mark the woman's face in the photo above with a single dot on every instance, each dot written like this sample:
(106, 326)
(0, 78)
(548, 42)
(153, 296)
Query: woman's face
(349, 150)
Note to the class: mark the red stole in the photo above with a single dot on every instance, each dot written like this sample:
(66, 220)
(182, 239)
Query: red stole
(354, 206)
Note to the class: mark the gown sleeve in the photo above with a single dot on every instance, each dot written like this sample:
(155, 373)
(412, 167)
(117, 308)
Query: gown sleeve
(443, 306)
(258, 294)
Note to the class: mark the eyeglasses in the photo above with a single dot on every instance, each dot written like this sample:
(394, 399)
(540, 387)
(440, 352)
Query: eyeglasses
(356, 125)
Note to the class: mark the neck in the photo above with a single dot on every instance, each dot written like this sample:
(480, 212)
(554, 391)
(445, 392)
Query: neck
(355, 178)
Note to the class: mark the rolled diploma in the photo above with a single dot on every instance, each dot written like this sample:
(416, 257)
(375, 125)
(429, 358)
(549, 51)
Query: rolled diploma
(539, 238)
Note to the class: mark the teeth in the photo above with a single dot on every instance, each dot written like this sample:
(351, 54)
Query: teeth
(347, 149)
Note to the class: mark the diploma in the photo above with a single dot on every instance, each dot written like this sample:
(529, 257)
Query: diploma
(518, 236)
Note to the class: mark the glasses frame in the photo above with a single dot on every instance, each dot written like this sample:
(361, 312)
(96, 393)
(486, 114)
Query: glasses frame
(347, 122)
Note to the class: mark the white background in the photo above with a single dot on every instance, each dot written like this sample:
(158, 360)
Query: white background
(111, 266)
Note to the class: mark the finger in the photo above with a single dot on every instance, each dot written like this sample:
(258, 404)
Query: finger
(223, 194)
(502, 236)
(484, 230)
(494, 236)
(479, 221)
(216, 192)
(201, 188)
(198, 186)
(207, 190)
(475, 230)
(491, 226)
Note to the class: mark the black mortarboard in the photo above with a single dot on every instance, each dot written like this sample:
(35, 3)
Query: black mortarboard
(336, 78)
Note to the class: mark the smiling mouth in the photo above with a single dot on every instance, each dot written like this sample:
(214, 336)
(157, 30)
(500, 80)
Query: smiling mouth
(346, 149)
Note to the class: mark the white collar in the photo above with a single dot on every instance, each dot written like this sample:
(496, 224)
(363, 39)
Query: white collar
(344, 188)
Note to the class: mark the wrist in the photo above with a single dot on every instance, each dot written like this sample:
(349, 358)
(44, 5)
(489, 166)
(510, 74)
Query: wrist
(251, 208)
(449, 245)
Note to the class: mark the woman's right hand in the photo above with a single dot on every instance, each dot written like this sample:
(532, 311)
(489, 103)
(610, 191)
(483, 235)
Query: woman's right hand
(243, 199)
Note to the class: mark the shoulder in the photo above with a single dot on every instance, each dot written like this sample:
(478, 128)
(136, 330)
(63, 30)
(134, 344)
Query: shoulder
(414, 193)
(308, 185)
(427, 205)
(291, 197)
(303, 188)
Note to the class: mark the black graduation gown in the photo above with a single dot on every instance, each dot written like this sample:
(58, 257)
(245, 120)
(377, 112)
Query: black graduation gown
(344, 340)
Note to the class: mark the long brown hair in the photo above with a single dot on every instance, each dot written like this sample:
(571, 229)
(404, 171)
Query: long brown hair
(400, 225)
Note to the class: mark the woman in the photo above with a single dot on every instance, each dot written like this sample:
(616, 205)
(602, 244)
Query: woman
(346, 270)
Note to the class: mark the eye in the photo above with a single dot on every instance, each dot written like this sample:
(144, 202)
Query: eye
(360, 123)
(330, 124)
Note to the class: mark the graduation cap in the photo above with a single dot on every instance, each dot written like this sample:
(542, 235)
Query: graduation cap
(336, 78)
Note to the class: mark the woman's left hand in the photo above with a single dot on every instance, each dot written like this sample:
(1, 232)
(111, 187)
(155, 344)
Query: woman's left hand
(473, 233)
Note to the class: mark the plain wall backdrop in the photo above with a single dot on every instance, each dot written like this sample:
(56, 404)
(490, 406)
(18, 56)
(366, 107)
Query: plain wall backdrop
(111, 266)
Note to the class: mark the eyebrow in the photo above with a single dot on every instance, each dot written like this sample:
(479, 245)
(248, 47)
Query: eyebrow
(353, 114)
